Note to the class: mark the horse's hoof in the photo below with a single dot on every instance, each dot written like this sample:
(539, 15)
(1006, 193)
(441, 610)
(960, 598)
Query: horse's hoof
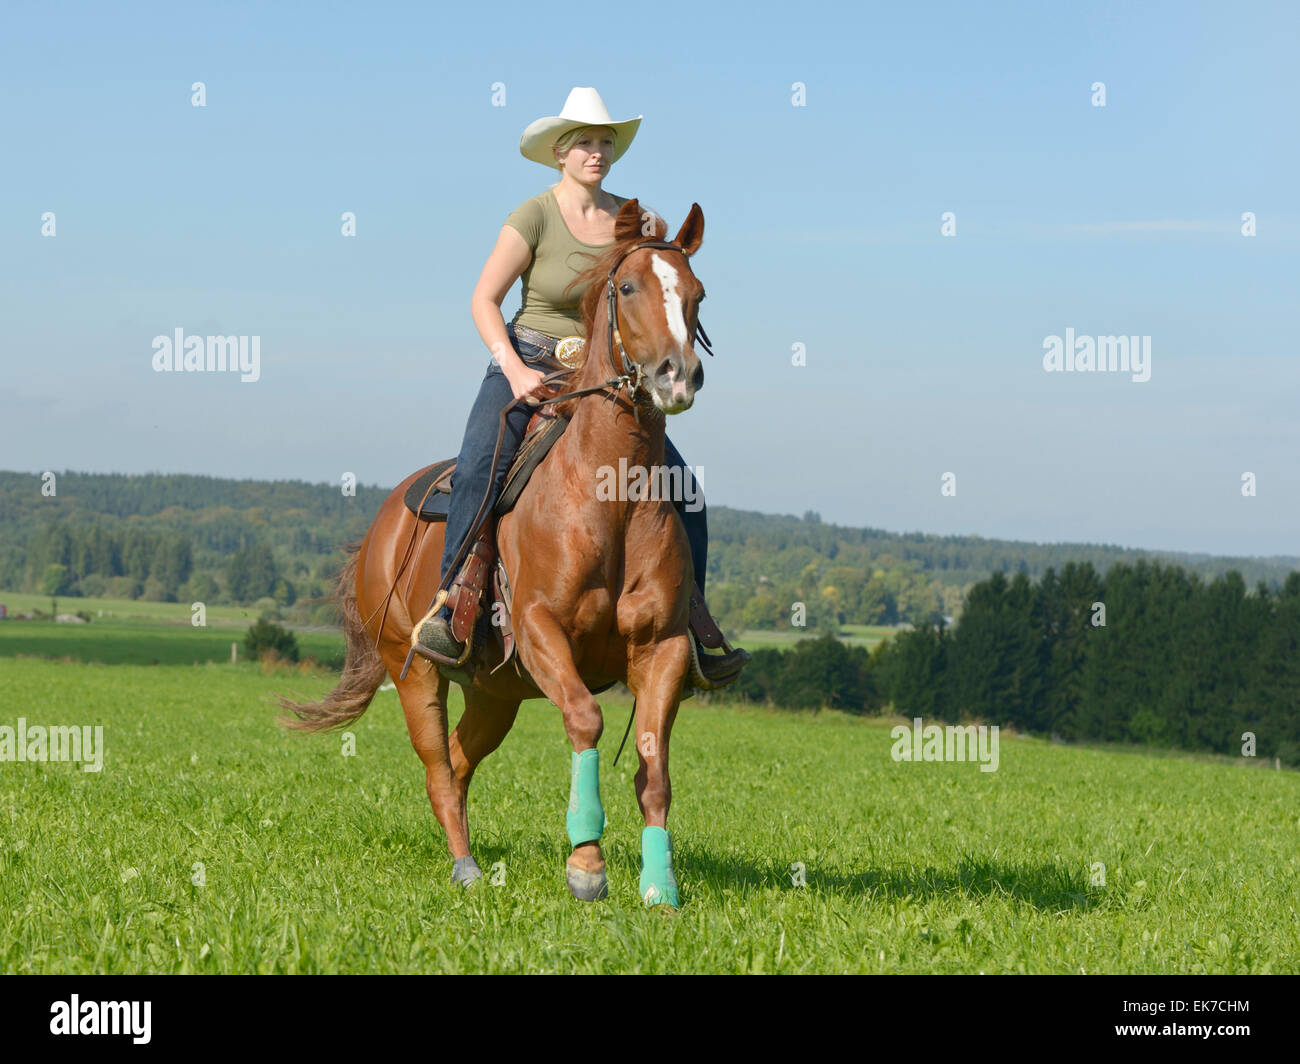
(586, 886)
(465, 871)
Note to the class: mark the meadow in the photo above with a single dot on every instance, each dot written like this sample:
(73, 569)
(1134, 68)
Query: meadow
(213, 842)
(123, 632)
(109, 638)
(858, 635)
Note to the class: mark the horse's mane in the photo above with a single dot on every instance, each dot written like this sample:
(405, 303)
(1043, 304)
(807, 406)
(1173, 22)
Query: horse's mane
(595, 275)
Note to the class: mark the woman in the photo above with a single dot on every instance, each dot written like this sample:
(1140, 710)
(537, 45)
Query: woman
(547, 241)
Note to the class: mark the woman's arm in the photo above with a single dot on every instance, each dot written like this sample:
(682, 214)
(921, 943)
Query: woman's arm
(508, 260)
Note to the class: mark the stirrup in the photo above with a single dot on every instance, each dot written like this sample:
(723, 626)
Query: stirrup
(697, 676)
(428, 652)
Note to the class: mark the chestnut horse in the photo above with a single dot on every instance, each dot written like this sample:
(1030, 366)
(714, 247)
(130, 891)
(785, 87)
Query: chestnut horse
(600, 586)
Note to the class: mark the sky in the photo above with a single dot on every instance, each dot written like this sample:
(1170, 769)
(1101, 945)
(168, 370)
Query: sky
(826, 145)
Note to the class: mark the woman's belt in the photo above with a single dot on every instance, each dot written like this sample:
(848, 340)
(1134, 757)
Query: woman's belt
(537, 339)
(568, 351)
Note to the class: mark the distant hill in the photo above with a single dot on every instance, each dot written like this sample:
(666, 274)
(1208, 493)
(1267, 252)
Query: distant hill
(965, 559)
(170, 536)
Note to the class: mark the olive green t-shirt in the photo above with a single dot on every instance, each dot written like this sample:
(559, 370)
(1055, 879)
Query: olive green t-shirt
(558, 257)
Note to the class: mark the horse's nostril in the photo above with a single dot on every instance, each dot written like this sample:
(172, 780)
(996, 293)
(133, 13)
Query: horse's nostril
(697, 378)
(665, 371)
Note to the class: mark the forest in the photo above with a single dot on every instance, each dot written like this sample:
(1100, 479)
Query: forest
(1147, 653)
(193, 538)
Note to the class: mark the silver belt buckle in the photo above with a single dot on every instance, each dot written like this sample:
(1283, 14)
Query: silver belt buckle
(571, 351)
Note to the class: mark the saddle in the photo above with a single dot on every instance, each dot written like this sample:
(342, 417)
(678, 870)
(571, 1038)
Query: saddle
(428, 496)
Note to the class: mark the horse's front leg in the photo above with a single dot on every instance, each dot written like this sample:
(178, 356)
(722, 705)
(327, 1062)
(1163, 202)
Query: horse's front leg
(547, 654)
(656, 674)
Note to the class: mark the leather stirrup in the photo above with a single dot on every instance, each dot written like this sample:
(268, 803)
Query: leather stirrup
(467, 589)
(702, 623)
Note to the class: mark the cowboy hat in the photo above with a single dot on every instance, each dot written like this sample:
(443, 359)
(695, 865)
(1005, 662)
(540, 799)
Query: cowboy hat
(584, 107)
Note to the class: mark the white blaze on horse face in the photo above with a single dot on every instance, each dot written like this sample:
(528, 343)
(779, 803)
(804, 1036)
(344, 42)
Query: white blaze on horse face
(672, 298)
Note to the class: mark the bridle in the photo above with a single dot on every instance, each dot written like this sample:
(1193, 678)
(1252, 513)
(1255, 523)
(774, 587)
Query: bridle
(630, 374)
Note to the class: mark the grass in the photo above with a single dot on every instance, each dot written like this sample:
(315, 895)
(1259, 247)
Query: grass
(117, 642)
(123, 632)
(862, 635)
(129, 609)
(128, 632)
(310, 861)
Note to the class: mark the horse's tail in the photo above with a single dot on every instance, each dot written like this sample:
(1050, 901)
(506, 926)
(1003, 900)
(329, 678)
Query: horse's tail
(363, 669)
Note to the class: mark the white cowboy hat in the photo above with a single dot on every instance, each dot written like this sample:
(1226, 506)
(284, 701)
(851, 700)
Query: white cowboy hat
(584, 107)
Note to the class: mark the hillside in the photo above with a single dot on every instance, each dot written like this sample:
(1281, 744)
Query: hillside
(173, 537)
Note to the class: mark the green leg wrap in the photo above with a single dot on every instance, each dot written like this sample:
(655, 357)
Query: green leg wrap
(658, 886)
(585, 818)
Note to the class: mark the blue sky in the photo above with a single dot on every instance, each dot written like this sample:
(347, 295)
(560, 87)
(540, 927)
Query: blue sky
(924, 352)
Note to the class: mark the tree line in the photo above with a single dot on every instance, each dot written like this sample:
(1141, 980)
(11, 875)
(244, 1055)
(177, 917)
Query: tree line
(181, 537)
(69, 560)
(762, 565)
(1147, 653)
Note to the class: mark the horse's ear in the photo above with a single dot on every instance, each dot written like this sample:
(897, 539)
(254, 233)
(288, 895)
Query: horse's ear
(628, 224)
(691, 234)
(638, 223)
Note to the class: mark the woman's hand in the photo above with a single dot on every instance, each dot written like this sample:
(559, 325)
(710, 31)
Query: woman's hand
(526, 383)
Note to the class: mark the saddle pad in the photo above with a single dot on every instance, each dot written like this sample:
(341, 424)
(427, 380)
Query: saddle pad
(435, 506)
(536, 446)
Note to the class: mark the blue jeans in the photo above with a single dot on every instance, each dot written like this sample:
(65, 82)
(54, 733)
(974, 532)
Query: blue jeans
(474, 463)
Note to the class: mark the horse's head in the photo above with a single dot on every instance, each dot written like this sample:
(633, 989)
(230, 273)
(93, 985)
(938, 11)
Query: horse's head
(652, 298)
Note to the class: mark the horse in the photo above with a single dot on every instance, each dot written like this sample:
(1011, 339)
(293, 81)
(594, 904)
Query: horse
(601, 586)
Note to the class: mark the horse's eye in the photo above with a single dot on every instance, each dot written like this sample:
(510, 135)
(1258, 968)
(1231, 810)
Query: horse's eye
(625, 288)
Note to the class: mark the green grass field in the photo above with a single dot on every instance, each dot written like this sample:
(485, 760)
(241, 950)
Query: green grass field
(127, 632)
(314, 862)
(861, 635)
(176, 643)
(114, 642)
(129, 609)
(123, 632)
